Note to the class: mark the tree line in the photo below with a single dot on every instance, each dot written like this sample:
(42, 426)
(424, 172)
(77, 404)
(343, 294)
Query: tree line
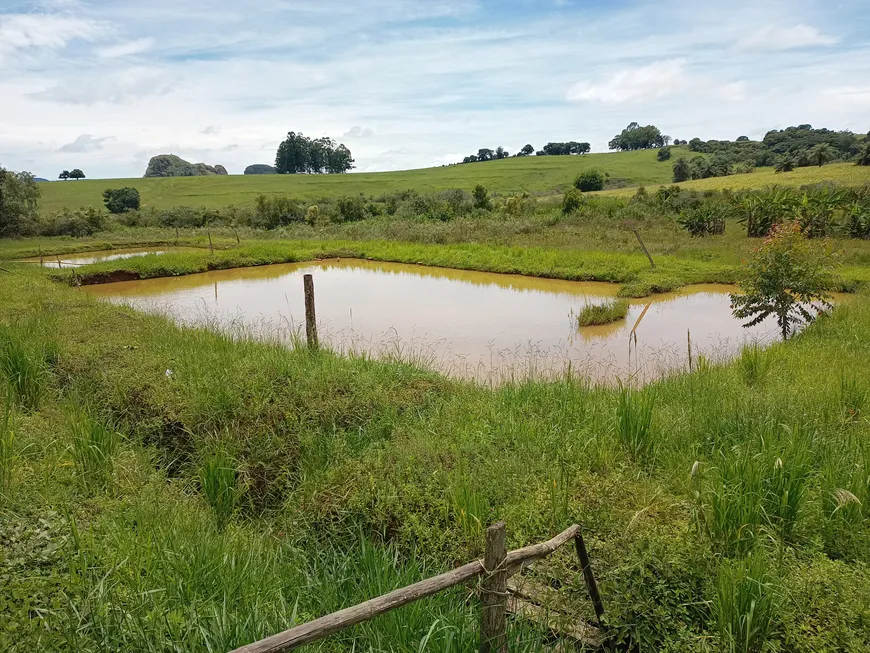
(550, 149)
(75, 173)
(298, 154)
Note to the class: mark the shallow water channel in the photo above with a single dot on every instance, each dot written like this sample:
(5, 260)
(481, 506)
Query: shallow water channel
(470, 324)
(83, 258)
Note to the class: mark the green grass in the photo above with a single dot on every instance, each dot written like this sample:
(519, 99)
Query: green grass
(361, 476)
(508, 176)
(595, 314)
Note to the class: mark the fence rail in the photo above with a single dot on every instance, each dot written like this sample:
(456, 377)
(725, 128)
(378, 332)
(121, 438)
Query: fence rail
(501, 565)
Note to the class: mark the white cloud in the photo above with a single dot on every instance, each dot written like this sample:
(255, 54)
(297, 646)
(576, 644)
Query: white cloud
(119, 87)
(19, 32)
(358, 132)
(650, 82)
(211, 130)
(784, 38)
(126, 49)
(85, 143)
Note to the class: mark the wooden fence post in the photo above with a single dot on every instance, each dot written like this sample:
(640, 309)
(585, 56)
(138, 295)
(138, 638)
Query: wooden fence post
(176, 235)
(310, 319)
(211, 247)
(493, 593)
(643, 247)
(591, 585)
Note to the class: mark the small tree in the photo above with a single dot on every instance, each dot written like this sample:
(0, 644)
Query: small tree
(527, 150)
(821, 154)
(572, 201)
(64, 175)
(664, 154)
(682, 171)
(785, 164)
(481, 198)
(788, 277)
(590, 180)
(76, 174)
(120, 200)
(864, 155)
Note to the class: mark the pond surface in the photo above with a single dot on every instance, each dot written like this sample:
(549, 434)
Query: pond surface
(83, 258)
(470, 324)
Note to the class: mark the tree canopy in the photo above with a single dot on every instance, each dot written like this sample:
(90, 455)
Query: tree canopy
(635, 137)
(76, 174)
(300, 154)
(18, 196)
(121, 200)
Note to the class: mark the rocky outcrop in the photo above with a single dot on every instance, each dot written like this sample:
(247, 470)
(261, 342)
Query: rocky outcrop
(169, 165)
(260, 169)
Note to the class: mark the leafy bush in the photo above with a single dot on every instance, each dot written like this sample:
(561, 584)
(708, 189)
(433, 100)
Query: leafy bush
(351, 209)
(76, 223)
(572, 201)
(481, 198)
(119, 200)
(704, 220)
(274, 212)
(590, 180)
(663, 154)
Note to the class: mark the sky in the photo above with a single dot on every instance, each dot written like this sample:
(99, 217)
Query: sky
(103, 85)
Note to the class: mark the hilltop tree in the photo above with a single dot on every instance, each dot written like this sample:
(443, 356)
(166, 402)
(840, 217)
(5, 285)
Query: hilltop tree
(682, 172)
(821, 154)
(64, 175)
(299, 154)
(76, 174)
(635, 137)
(527, 150)
(501, 153)
(485, 154)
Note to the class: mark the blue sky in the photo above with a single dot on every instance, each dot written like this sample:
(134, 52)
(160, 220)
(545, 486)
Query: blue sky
(104, 85)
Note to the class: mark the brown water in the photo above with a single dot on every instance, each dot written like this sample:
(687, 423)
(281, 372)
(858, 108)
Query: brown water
(83, 258)
(470, 324)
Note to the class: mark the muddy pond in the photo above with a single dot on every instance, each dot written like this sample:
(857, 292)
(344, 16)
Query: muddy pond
(484, 326)
(83, 258)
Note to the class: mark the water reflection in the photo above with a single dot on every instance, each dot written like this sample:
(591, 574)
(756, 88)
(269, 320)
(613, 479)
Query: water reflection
(471, 324)
(83, 258)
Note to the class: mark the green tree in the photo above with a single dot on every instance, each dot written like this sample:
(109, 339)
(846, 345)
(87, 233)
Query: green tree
(64, 175)
(121, 200)
(18, 197)
(635, 137)
(485, 154)
(590, 180)
(571, 201)
(785, 163)
(527, 150)
(480, 196)
(76, 174)
(864, 155)
(664, 154)
(821, 154)
(682, 172)
(788, 277)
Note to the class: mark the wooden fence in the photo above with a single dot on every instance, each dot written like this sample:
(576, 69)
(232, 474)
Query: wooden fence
(496, 567)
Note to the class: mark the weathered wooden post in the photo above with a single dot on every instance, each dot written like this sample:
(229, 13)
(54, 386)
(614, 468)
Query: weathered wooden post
(238, 240)
(591, 585)
(211, 247)
(310, 318)
(493, 593)
(643, 247)
(176, 235)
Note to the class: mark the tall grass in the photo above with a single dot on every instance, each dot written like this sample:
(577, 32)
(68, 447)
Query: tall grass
(595, 314)
(7, 443)
(221, 485)
(754, 364)
(23, 364)
(93, 449)
(634, 413)
(747, 601)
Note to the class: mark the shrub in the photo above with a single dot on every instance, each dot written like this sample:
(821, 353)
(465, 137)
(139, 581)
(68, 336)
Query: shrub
(785, 163)
(682, 171)
(572, 201)
(76, 223)
(704, 220)
(274, 212)
(351, 209)
(590, 180)
(786, 277)
(480, 197)
(664, 154)
(120, 200)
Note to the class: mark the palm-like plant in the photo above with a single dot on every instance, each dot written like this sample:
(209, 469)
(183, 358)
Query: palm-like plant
(864, 155)
(786, 163)
(821, 154)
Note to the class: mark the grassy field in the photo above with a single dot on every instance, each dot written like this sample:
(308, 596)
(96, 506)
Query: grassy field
(507, 176)
(846, 174)
(735, 486)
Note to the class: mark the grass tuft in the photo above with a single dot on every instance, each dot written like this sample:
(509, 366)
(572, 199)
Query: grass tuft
(24, 366)
(634, 411)
(221, 485)
(747, 600)
(94, 446)
(595, 314)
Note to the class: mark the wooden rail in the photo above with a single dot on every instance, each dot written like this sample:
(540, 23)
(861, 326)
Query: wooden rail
(494, 594)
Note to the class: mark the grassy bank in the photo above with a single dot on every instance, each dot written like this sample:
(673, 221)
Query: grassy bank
(697, 496)
(508, 176)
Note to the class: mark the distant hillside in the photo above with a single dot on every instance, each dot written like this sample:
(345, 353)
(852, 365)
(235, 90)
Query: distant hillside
(169, 165)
